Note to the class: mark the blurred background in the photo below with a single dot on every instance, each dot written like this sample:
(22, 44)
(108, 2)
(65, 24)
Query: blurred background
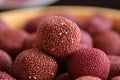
(13, 4)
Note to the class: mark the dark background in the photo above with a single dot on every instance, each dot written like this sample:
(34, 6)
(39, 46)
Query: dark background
(100, 3)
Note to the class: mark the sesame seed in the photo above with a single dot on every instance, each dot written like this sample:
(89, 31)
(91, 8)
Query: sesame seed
(62, 41)
(29, 77)
(62, 23)
(52, 73)
(60, 33)
(53, 49)
(65, 32)
(71, 40)
(35, 77)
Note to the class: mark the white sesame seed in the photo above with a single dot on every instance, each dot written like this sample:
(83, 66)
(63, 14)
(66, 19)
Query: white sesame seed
(62, 41)
(29, 77)
(35, 77)
(60, 33)
(62, 23)
(65, 32)
(53, 49)
(71, 40)
(52, 73)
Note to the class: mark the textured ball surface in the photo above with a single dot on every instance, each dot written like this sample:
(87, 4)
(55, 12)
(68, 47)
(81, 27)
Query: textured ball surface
(88, 61)
(58, 36)
(88, 78)
(99, 22)
(31, 41)
(108, 41)
(115, 66)
(116, 78)
(86, 39)
(5, 76)
(64, 76)
(34, 65)
(5, 61)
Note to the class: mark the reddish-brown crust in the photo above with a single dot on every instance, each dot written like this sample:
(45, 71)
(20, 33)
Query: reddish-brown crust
(88, 61)
(99, 22)
(5, 76)
(88, 78)
(31, 41)
(86, 39)
(108, 41)
(58, 36)
(115, 66)
(5, 62)
(34, 65)
(64, 76)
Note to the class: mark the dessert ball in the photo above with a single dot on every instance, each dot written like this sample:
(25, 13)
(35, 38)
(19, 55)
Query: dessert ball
(5, 62)
(88, 61)
(3, 25)
(31, 41)
(116, 78)
(32, 64)
(58, 36)
(115, 66)
(88, 78)
(99, 22)
(86, 39)
(64, 76)
(108, 41)
(12, 41)
(32, 25)
(5, 76)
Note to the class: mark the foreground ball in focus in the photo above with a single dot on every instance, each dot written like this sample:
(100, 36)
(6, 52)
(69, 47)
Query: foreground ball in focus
(58, 36)
(88, 61)
(32, 64)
